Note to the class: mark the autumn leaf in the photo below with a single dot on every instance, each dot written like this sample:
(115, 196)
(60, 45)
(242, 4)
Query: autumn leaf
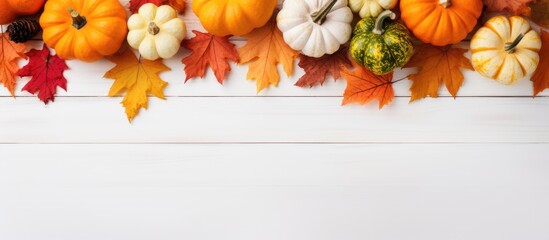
(10, 53)
(264, 50)
(541, 75)
(136, 77)
(363, 86)
(209, 50)
(179, 5)
(317, 69)
(437, 65)
(46, 72)
(136, 4)
(512, 6)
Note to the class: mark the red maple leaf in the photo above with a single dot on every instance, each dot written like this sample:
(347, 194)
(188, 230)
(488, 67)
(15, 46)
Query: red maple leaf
(512, 6)
(363, 86)
(209, 50)
(136, 4)
(46, 72)
(317, 69)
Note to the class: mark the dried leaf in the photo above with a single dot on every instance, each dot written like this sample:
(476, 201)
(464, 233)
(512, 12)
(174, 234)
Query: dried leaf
(317, 69)
(436, 65)
(179, 5)
(364, 86)
(512, 6)
(46, 72)
(541, 75)
(136, 4)
(10, 53)
(264, 50)
(136, 77)
(209, 50)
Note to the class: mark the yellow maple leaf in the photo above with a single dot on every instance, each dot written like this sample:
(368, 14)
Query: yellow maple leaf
(10, 52)
(138, 78)
(264, 50)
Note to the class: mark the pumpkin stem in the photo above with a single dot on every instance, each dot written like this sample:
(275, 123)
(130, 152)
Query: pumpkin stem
(153, 28)
(320, 16)
(510, 46)
(378, 29)
(77, 20)
(445, 3)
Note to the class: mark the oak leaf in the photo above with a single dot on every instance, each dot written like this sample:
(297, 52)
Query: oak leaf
(512, 6)
(138, 78)
(541, 75)
(209, 50)
(317, 69)
(264, 50)
(435, 66)
(136, 4)
(10, 53)
(364, 86)
(46, 72)
(179, 5)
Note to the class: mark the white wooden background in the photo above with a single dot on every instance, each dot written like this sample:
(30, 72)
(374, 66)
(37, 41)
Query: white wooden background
(220, 162)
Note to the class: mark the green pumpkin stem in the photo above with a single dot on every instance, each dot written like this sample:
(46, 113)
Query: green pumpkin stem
(153, 28)
(445, 3)
(378, 29)
(77, 20)
(320, 16)
(510, 47)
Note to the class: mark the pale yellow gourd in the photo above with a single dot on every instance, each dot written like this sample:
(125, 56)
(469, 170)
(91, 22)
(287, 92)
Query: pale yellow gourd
(156, 32)
(371, 8)
(506, 49)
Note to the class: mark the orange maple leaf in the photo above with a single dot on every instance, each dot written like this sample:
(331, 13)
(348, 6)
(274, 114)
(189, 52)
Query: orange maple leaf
(513, 6)
(208, 49)
(364, 86)
(264, 50)
(136, 77)
(179, 5)
(10, 52)
(541, 75)
(436, 65)
(317, 69)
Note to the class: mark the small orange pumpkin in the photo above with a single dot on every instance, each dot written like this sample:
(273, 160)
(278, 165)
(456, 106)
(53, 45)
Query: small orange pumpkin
(235, 17)
(11, 9)
(84, 29)
(440, 22)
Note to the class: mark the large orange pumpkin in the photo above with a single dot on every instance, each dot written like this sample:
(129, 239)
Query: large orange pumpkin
(440, 22)
(234, 17)
(84, 29)
(11, 9)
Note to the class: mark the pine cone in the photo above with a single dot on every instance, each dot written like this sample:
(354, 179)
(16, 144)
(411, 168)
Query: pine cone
(23, 30)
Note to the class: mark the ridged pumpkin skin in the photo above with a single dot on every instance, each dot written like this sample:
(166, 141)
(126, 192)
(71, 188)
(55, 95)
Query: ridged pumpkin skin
(371, 8)
(233, 17)
(102, 35)
(11, 9)
(432, 22)
(490, 57)
(381, 53)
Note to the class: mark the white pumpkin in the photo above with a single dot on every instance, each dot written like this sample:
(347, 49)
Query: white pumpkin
(156, 32)
(505, 49)
(371, 8)
(315, 27)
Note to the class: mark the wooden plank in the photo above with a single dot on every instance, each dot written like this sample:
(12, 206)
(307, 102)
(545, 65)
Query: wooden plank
(272, 119)
(291, 192)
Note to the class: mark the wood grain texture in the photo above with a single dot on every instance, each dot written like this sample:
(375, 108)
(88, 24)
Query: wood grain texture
(272, 119)
(292, 192)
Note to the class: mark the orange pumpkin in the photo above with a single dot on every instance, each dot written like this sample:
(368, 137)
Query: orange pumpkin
(440, 22)
(11, 9)
(84, 29)
(235, 17)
